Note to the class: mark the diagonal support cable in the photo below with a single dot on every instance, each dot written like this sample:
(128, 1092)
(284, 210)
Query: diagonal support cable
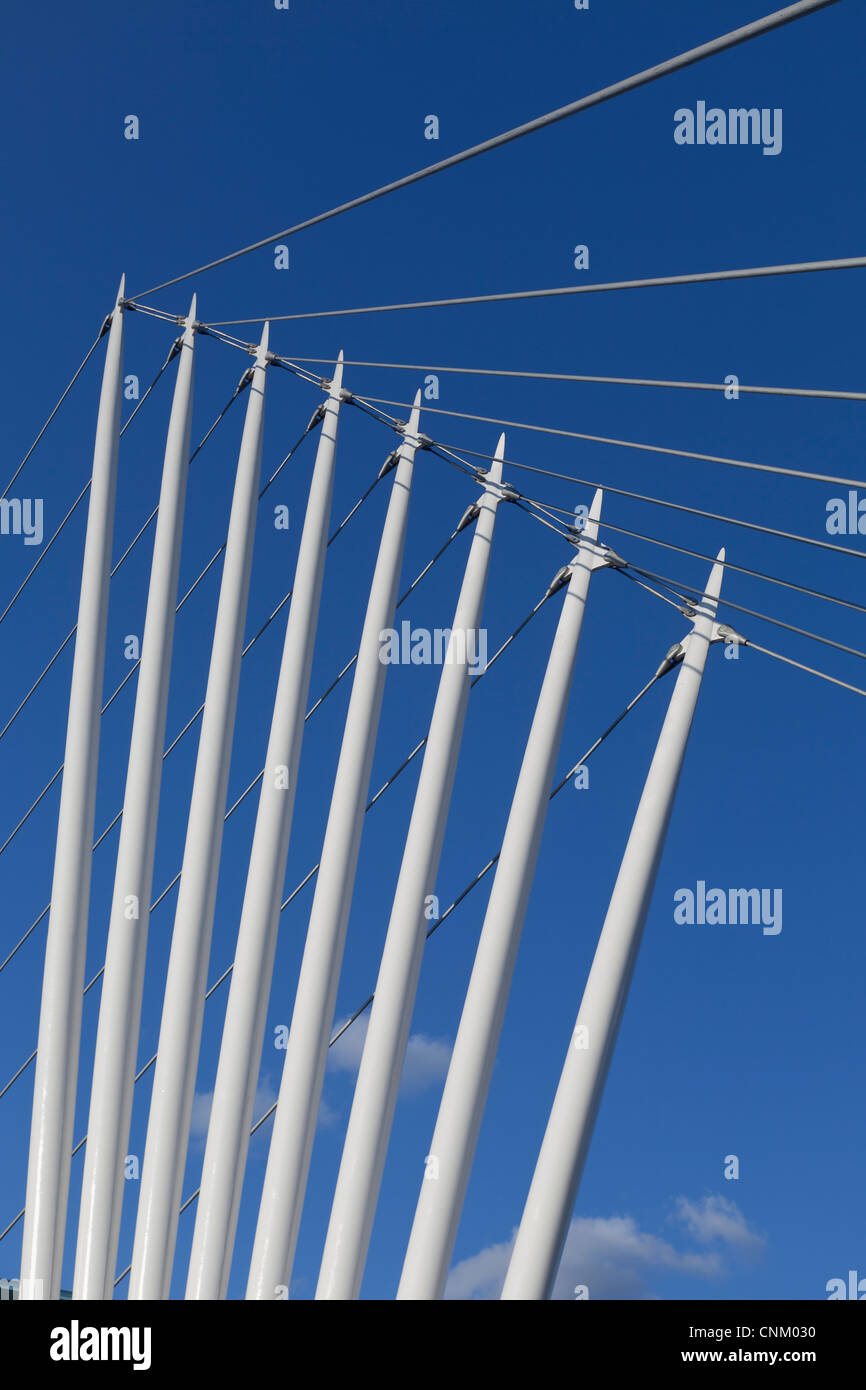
(682, 60)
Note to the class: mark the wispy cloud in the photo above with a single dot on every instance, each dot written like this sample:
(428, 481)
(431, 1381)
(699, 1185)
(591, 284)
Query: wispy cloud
(327, 1117)
(716, 1218)
(615, 1259)
(426, 1064)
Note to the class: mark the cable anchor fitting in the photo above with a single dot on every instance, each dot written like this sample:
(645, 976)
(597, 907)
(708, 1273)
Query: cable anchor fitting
(673, 658)
(559, 580)
(390, 462)
(468, 517)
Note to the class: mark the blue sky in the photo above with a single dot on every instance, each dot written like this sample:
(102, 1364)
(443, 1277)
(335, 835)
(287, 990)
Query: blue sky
(733, 1042)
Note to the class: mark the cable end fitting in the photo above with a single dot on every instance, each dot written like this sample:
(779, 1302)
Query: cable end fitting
(390, 462)
(468, 517)
(673, 658)
(561, 578)
(723, 633)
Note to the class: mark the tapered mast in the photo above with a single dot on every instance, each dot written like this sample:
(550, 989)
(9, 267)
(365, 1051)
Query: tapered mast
(55, 1083)
(452, 1150)
(540, 1239)
(306, 1052)
(183, 1005)
(123, 981)
(246, 1013)
(372, 1114)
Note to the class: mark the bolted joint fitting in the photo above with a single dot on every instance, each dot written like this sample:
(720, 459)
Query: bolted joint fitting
(600, 556)
(504, 491)
(576, 534)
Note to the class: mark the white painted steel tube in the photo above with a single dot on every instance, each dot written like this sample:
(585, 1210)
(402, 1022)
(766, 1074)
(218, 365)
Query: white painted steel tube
(123, 982)
(306, 1053)
(366, 1144)
(55, 1083)
(246, 1013)
(452, 1150)
(183, 1005)
(541, 1236)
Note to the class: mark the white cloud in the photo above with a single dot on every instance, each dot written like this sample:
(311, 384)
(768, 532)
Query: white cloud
(614, 1258)
(426, 1058)
(482, 1275)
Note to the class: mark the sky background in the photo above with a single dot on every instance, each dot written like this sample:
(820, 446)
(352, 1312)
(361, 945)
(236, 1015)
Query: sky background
(251, 119)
